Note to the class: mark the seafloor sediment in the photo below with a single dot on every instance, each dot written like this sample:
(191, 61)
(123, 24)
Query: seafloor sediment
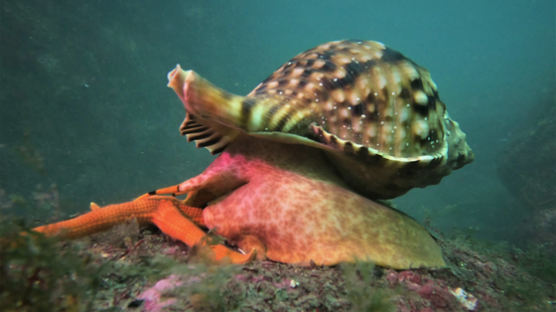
(133, 269)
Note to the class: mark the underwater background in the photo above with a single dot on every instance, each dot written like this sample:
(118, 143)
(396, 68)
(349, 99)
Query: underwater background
(86, 115)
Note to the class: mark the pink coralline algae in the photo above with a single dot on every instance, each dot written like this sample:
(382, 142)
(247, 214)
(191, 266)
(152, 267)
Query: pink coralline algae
(436, 293)
(152, 296)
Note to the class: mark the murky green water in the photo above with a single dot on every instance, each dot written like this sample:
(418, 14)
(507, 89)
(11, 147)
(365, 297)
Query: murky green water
(86, 115)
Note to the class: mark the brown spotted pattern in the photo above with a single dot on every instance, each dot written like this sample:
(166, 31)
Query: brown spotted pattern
(360, 91)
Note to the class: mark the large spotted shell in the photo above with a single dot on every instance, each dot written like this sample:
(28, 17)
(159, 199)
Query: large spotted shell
(375, 112)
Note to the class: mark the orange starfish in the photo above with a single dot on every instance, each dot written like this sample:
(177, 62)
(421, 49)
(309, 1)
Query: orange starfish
(169, 214)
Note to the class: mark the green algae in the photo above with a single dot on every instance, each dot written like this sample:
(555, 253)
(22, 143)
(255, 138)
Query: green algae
(363, 296)
(37, 275)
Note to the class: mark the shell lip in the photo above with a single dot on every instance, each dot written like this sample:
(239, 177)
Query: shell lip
(337, 145)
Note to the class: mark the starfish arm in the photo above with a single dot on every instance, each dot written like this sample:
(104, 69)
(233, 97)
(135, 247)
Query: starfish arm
(188, 186)
(193, 213)
(169, 214)
(170, 221)
(223, 253)
(99, 219)
(217, 180)
(169, 190)
(174, 224)
(145, 210)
